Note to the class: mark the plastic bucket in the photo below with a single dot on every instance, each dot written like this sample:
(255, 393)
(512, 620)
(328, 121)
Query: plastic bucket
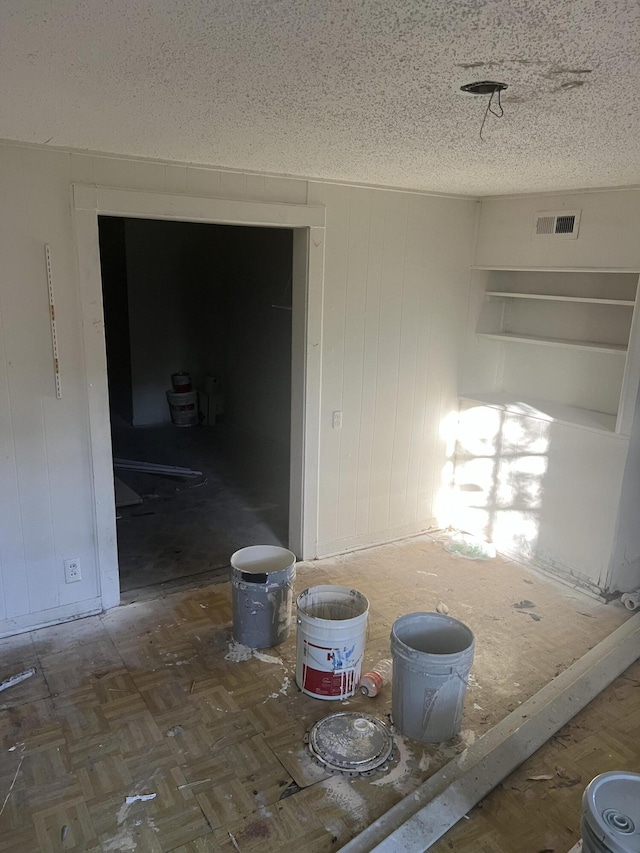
(611, 814)
(262, 579)
(183, 408)
(432, 655)
(332, 626)
(181, 382)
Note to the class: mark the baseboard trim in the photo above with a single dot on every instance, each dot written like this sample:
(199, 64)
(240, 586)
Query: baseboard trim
(46, 618)
(335, 547)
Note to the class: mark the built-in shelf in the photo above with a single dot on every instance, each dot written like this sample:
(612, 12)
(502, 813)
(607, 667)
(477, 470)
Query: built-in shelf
(545, 410)
(554, 342)
(614, 270)
(574, 328)
(593, 300)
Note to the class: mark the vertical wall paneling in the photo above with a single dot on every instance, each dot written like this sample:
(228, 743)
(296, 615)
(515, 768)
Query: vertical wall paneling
(113, 172)
(370, 361)
(401, 510)
(203, 182)
(175, 179)
(400, 258)
(357, 269)
(389, 331)
(337, 199)
(233, 185)
(386, 278)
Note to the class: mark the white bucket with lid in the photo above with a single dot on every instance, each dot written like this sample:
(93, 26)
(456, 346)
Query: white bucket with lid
(332, 627)
(611, 814)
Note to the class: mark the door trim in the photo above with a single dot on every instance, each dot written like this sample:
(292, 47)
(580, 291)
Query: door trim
(308, 283)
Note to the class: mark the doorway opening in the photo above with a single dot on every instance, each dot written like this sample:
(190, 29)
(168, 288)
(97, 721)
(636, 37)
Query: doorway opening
(214, 302)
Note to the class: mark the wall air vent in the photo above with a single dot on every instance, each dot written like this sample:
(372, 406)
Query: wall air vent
(563, 223)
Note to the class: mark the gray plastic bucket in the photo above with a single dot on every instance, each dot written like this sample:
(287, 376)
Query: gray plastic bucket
(611, 814)
(262, 579)
(432, 655)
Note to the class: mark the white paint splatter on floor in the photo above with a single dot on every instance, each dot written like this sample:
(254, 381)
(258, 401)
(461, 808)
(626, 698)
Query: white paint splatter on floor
(396, 776)
(341, 791)
(267, 658)
(237, 652)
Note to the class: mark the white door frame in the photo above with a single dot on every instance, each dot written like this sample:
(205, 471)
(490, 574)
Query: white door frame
(308, 280)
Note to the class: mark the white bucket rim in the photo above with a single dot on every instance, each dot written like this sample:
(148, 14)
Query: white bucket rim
(346, 593)
(253, 566)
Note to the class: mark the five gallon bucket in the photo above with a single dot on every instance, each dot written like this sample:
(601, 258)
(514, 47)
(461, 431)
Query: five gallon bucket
(262, 579)
(332, 625)
(183, 407)
(432, 657)
(611, 814)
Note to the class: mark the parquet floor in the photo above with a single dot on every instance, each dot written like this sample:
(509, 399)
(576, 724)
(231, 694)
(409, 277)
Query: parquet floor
(142, 701)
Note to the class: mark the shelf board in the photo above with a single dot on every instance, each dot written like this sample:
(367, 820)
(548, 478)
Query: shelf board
(623, 270)
(592, 300)
(546, 410)
(539, 340)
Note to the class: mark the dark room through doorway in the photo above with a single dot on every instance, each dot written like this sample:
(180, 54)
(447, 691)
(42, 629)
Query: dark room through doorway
(214, 302)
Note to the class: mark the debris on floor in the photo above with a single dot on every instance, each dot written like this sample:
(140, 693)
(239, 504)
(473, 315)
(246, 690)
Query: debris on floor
(376, 678)
(524, 605)
(238, 652)
(125, 495)
(17, 678)
(631, 600)
(463, 544)
(142, 798)
(155, 468)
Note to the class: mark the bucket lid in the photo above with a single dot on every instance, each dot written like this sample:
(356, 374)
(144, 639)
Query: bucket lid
(350, 743)
(611, 805)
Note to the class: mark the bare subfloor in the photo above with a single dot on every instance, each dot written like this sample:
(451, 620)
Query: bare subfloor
(142, 701)
(185, 527)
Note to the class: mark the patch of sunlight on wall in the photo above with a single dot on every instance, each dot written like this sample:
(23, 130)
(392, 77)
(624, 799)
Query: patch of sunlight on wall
(500, 461)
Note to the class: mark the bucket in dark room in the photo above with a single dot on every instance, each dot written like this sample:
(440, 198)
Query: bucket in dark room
(262, 579)
(432, 656)
(183, 407)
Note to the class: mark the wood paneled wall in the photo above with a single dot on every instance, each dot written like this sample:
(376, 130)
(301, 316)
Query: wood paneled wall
(396, 293)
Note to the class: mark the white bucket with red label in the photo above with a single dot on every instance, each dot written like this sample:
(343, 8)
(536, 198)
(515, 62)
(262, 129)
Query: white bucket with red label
(332, 627)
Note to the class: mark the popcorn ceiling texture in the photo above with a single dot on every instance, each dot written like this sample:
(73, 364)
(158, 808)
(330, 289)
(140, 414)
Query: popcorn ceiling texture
(362, 91)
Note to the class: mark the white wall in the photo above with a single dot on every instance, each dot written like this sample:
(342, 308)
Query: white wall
(608, 236)
(396, 289)
(396, 294)
(573, 516)
(625, 568)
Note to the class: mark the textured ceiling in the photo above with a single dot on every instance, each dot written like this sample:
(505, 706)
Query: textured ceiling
(355, 90)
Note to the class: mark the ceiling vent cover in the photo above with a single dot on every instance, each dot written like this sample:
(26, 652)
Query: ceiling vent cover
(563, 223)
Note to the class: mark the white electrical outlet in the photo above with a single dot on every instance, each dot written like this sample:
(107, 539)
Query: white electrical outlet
(72, 572)
(337, 420)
